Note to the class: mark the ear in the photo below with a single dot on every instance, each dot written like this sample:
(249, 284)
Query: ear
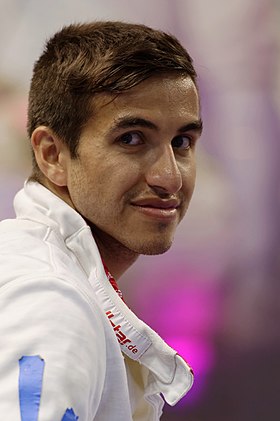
(51, 154)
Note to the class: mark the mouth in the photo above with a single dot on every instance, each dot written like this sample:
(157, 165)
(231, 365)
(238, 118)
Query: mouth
(157, 208)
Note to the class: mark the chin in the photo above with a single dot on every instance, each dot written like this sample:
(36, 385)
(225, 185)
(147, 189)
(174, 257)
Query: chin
(151, 249)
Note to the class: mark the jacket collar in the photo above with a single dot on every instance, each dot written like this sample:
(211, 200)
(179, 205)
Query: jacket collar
(172, 375)
(39, 204)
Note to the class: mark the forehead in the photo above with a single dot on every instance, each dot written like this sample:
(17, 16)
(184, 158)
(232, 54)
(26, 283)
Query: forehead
(165, 96)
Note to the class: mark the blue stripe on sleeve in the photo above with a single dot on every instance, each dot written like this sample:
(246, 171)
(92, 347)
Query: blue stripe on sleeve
(30, 386)
(69, 415)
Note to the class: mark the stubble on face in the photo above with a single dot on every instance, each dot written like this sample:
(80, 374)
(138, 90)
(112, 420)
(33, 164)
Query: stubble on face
(106, 179)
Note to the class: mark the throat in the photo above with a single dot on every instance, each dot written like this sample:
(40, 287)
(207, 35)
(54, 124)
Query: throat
(117, 257)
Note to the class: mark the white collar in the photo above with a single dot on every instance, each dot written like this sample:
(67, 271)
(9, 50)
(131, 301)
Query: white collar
(137, 340)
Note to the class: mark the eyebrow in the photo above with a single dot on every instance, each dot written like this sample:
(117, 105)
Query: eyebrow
(196, 126)
(129, 122)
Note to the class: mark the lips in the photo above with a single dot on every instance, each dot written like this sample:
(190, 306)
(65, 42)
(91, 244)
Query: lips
(157, 208)
(157, 203)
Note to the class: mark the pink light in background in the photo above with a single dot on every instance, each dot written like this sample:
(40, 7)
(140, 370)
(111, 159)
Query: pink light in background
(201, 354)
(187, 314)
(195, 313)
(195, 307)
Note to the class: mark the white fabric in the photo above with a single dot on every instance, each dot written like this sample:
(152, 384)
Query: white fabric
(56, 302)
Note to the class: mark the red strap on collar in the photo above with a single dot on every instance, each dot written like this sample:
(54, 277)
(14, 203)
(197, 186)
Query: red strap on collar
(112, 281)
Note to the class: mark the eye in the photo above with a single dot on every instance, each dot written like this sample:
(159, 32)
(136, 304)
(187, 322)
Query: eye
(131, 138)
(181, 142)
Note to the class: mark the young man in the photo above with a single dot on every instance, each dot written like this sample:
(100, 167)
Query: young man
(113, 121)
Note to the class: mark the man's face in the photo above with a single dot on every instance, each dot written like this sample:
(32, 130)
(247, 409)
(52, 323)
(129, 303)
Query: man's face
(135, 172)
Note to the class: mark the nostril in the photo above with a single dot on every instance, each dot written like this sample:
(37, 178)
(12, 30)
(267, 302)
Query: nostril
(161, 192)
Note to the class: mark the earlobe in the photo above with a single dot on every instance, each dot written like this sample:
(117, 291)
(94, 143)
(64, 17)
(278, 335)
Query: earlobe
(49, 152)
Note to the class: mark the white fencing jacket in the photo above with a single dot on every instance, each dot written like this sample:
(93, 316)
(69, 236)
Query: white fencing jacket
(70, 347)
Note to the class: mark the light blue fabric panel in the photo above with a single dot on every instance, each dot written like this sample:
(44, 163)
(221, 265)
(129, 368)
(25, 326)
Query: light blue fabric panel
(30, 386)
(69, 415)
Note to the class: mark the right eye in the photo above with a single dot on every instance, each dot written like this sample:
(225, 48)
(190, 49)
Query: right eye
(181, 142)
(131, 138)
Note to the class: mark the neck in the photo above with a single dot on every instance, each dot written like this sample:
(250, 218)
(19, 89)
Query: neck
(115, 255)
(61, 192)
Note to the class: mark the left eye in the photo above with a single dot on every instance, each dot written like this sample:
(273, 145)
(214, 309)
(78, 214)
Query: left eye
(181, 142)
(131, 139)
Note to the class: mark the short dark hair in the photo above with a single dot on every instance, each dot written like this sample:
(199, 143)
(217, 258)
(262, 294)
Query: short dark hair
(85, 59)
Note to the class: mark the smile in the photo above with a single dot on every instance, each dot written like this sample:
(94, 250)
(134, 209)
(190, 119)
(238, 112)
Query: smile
(156, 208)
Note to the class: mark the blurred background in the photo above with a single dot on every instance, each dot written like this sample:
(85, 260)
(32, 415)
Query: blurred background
(215, 295)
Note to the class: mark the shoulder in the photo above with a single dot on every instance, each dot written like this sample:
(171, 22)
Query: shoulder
(21, 245)
(29, 249)
(50, 318)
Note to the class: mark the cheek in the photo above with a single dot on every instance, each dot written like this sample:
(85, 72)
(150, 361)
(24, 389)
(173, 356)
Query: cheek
(122, 176)
(188, 177)
(107, 181)
(76, 187)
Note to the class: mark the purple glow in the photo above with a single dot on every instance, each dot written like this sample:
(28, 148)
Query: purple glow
(188, 316)
(196, 310)
(200, 354)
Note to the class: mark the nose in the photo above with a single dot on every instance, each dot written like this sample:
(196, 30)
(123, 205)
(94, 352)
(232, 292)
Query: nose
(163, 174)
